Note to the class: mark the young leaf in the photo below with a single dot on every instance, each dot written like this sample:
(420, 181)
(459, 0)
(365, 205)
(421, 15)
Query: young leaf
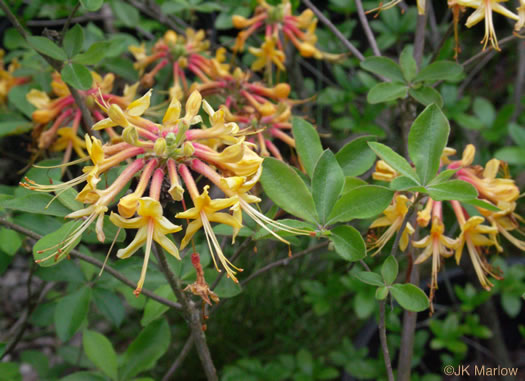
(77, 76)
(386, 91)
(46, 46)
(370, 278)
(384, 67)
(348, 243)
(410, 297)
(403, 183)
(355, 158)
(381, 293)
(408, 63)
(426, 95)
(307, 143)
(427, 138)
(443, 176)
(73, 40)
(361, 202)
(440, 71)
(395, 160)
(146, 349)
(100, 351)
(109, 304)
(452, 190)
(93, 55)
(71, 311)
(389, 270)
(327, 183)
(286, 189)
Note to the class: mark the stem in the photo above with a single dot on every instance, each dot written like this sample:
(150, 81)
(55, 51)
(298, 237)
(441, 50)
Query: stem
(191, 314)
(68, 23)
(419, 40)
(384, 343)
(334, 30)
(366, 27)
(96, 263)
(86, 115)
(179, 360)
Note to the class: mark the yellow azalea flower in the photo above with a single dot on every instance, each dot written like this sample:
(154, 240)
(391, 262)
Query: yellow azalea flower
(382, 7)
(152, 226)
(505, 221)
(384, 172)
(67, 136)
(206, 210)
(474, 235)
(266, 55)
(423, 216)
(437, 245)
(393, 218)
(484, 10)
(129, 203)
(124, 118)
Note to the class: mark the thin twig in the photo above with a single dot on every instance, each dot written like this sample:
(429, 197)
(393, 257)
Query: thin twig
(86, 115)
(419, 37)
(283, 262)
(384, 343)
(477, 56)
(191, 314)
(366, 27)
(157, 15)
(179, 360)
(58, 22)
(334, 30)
(65, 28)
(96, 263)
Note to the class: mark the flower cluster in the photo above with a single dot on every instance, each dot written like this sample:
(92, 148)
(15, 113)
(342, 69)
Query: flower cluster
(278, 22)
(168, 152)
(7, 78)
(480, 225)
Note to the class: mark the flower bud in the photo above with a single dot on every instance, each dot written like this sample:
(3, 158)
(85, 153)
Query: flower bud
(130, 135)
(240, 22)
(188, 149)
(160, 147)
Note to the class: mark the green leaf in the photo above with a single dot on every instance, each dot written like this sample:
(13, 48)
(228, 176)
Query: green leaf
(100, 351)
(426, 95)
(389, 270)
(146, 349)
(427, 138)
(46, 46)
(307, 143)
(93, 55)
(381, 293)
(125, 13)
(14, 127)
(512, 155)
(482, 204)
(452, 190)
(348, 243)
(403, 183)
(71, 311)
(109, 304)
(361, 202)
(410, 297)
(36, 203)
(327, 183)
(395, 160)
(443, 176)
(355, 158)
(10, 371)
(351, 183)
(383, 66)
(10, 241)
(77, 76)
(49, 244)
(408, 63)
(153, 309)
(440, 71)
(84, 376)
(370, 278)
(92, 5)
(386, 91)
(287, 190)
(73, 40)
